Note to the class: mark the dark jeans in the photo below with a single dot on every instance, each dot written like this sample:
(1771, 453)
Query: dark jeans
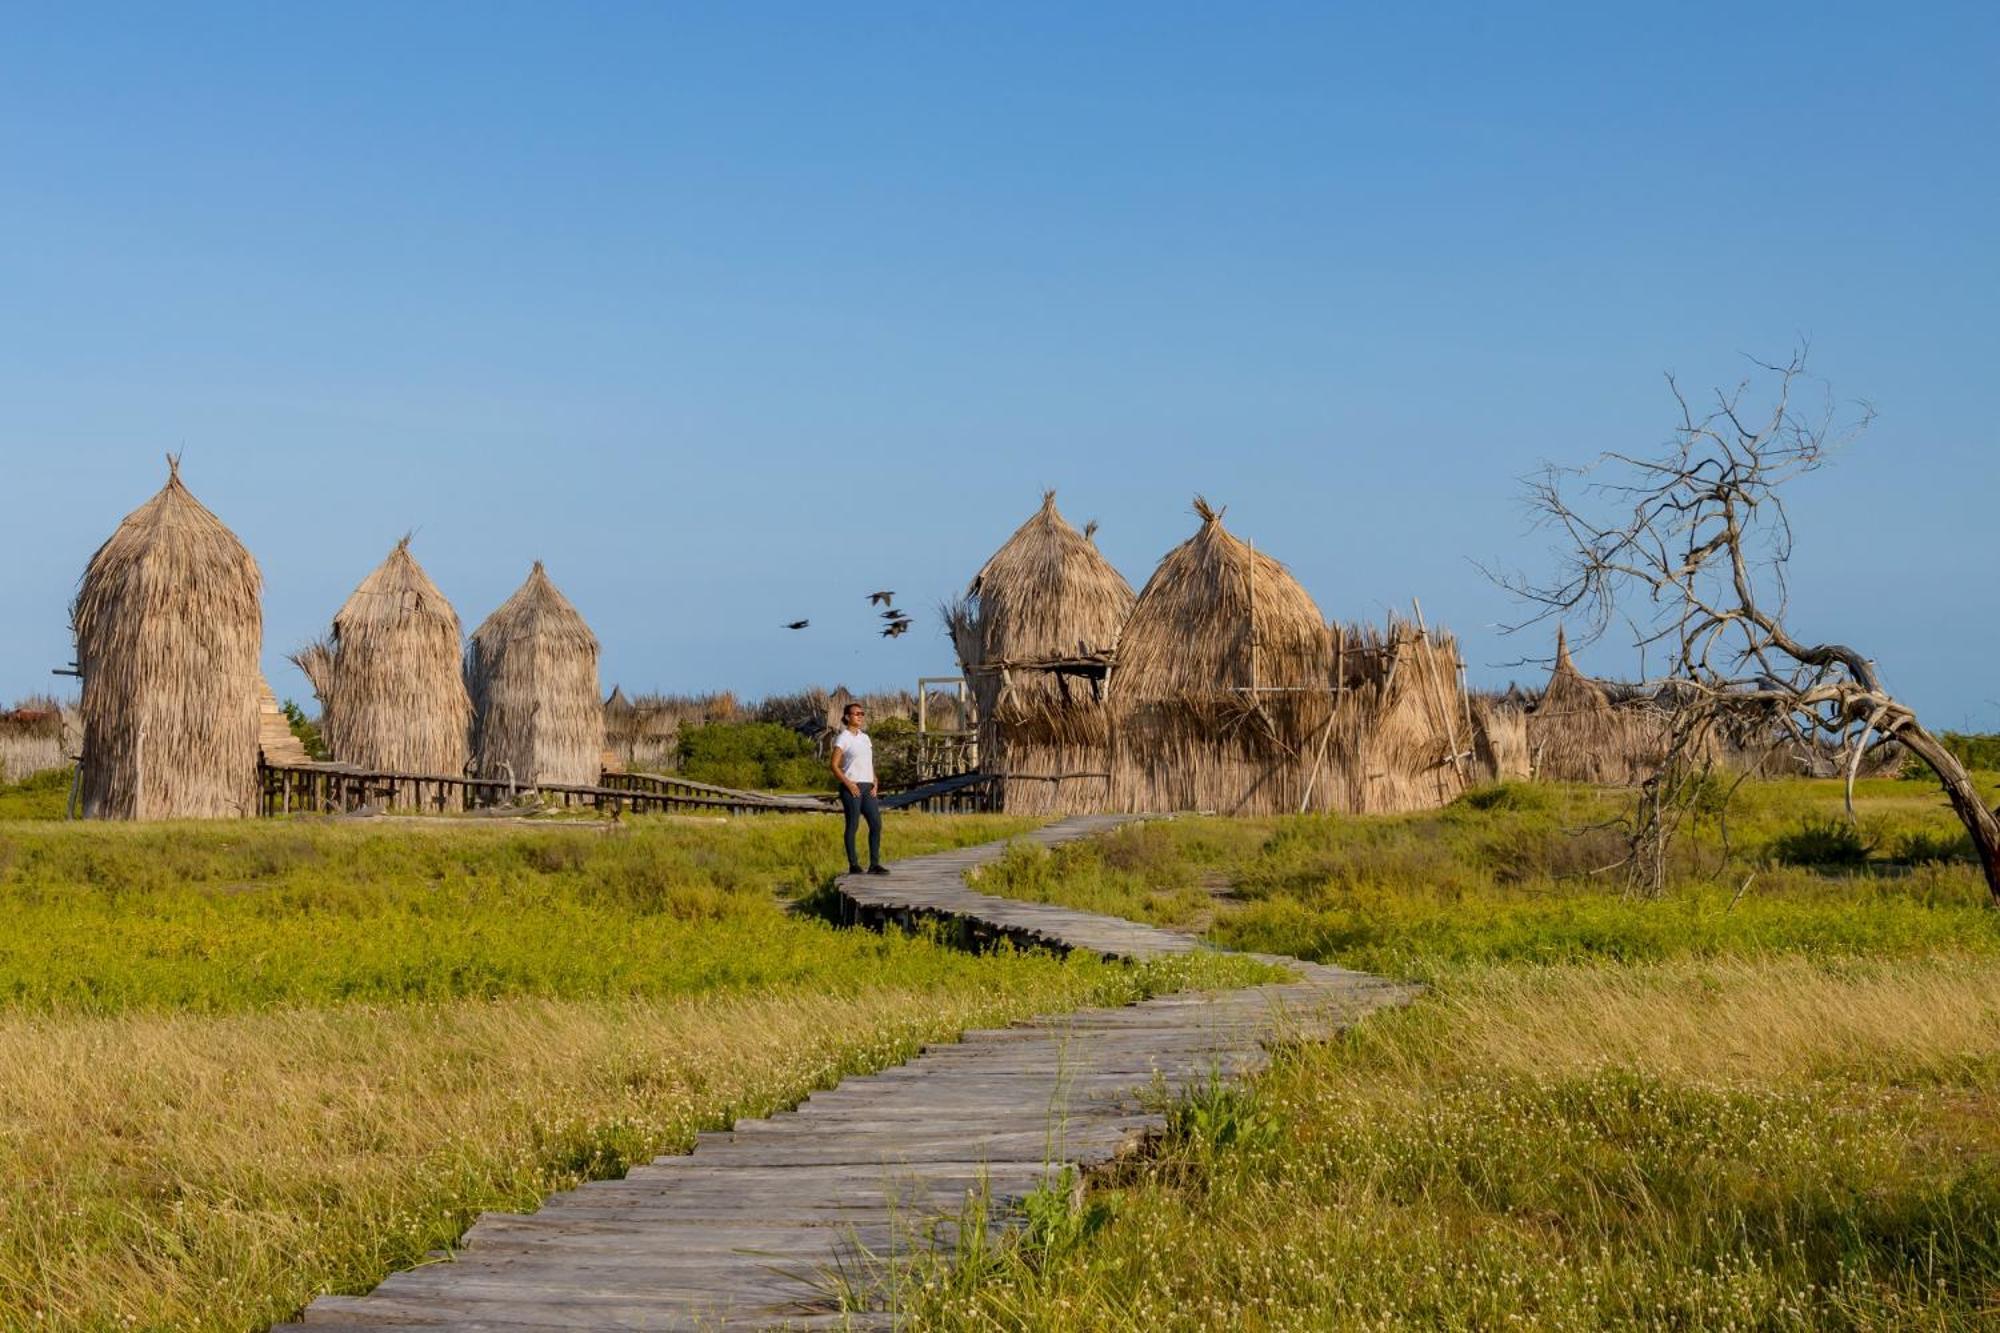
(858, 808)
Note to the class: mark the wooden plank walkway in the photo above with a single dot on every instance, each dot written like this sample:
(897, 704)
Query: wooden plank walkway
(767, 1224)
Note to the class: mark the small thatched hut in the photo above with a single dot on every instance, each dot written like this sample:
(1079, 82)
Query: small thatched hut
(169, 627)
(1222, 693)
(1578, 733)
(1035, 633)
(1402, 736)
(531, 669)
(396, 699)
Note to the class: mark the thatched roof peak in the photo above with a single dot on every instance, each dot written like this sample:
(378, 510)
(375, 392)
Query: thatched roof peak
(539, 609)
(1216, 611)
(1048, 591)
(1568, 688)
(173, 513)
(398, 588)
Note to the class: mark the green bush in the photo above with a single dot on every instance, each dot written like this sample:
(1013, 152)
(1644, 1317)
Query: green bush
(895, 752)
(1976, 750)
(750, 755)
(305, 729)
(1821, 842)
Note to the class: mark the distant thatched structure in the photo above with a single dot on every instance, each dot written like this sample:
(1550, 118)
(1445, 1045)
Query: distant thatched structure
(169, 626)
(1578, 732)
(531, 669)
(1500, 738)
(38, 734)
(396, 698)
(1401, 738)
(1222, 692)
(1035, 633)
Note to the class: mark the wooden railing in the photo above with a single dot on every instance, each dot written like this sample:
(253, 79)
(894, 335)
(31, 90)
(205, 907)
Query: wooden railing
(346, 789)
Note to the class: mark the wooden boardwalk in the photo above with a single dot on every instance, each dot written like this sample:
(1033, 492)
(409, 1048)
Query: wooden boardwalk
(781, 1221)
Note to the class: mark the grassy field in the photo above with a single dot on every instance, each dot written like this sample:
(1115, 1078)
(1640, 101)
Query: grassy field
(241, 1064)
(1770, 1099)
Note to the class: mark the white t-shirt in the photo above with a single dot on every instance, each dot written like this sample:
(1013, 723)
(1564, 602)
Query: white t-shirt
(860, 752)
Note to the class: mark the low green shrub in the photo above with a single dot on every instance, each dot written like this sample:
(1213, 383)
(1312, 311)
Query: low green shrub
(752, 756)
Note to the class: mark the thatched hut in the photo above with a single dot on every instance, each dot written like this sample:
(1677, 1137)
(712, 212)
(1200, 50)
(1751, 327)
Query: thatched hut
(1402, 735)
(1577, 731)
(1035, 633)
(531, 669)
(169, 627)
(1222, 693)
(396, 698)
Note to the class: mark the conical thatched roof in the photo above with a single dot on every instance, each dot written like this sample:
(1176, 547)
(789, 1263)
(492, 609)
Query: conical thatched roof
(1577, 733)
(1219, 617)
(532, 671)
(1223, 689)
(1569, 690)
(169, 627)
(1048, 592)
(398, 701)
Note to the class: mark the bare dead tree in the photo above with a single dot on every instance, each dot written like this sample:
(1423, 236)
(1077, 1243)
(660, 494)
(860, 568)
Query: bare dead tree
(1691, 548)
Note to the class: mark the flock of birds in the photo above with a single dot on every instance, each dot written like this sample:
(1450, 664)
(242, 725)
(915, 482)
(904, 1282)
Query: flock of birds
(899, 621)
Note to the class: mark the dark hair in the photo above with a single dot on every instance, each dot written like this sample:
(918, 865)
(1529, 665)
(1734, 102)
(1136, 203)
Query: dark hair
(849, 711)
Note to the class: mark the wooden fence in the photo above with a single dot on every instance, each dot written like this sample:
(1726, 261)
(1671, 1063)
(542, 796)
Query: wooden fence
(345, 789)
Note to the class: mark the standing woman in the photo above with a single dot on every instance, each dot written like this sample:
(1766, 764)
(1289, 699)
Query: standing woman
(854, 765)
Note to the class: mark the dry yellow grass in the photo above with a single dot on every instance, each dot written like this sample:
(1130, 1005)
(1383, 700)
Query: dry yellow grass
(189, 1172)
(1910, 1020)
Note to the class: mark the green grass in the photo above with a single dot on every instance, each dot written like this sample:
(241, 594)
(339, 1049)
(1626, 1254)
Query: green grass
(244, 1063)
(213, 918)
(42, 796)
(1778, 1108)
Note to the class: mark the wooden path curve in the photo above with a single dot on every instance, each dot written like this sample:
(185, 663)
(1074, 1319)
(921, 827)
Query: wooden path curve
(780, 1221)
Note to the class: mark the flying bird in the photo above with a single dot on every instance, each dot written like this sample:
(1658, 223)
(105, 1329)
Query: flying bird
(882, 598)
(895, 627)
(798, 624)
(893, 614)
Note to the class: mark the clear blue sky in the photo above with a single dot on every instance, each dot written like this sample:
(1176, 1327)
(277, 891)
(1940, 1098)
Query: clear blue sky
(734, 314)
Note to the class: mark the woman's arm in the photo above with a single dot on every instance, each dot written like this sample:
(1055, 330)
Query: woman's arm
(839, 766)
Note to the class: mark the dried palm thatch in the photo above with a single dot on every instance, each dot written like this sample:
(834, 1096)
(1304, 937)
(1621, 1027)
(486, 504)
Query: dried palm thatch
(531, 669)
(1500, 738)
(1222, 690)
(169, 626)
(314, 659)
(397, 700)
(1034, 633)
(1577, 732)
(1400, 738)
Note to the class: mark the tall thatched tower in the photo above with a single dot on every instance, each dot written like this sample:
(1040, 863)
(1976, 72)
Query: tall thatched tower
(1038, 611)
(169, 627)
(396, 699)
(1223, 687)
(532, 672)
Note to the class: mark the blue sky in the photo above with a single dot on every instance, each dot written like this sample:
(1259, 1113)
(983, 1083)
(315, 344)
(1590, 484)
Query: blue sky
(734, 314)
